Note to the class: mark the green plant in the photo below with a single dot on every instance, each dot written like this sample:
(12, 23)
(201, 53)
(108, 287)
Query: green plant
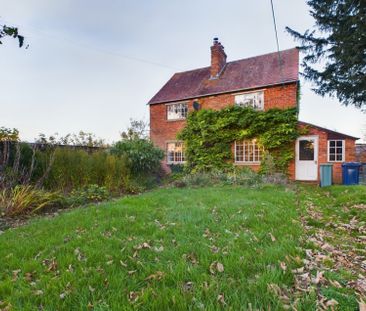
(143, 157)
(87, 194)
(209, 134)
(26, 199)
(237, 176)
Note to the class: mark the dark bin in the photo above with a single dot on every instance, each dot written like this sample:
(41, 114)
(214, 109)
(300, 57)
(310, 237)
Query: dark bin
(351, 173)
(363, 174)
(326, 174)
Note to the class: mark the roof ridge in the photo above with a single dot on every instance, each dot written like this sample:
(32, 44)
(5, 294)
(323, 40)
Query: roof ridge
(237, 60)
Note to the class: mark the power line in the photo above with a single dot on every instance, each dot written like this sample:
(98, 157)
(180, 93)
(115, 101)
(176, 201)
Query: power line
(89, 47)
(277, 41)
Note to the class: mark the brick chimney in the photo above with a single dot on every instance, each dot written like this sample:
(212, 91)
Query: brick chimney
(218, 59)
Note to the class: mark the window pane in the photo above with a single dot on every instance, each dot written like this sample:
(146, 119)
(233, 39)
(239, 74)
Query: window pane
(254, 100)
(248, 151)
(177, 111)
(306, 150)
(336, 150)
(175, 152)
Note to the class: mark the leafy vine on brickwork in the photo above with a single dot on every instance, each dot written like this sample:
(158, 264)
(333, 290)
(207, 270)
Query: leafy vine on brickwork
(209, 134)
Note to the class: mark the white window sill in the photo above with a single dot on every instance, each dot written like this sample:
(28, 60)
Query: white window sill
(172, 120)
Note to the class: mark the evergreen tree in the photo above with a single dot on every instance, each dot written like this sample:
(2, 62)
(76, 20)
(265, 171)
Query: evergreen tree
(6, 31)
(335, 50)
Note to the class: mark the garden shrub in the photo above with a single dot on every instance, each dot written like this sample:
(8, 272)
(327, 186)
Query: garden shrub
(209, 134)
(237, 176)
(87, 194)
(144, 158)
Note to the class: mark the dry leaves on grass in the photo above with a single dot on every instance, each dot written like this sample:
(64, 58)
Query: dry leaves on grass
(144, 245)
(156, 276)
(79, 255)
(221, 299)
(51, 264)
(327, 257)
(191, 257)
(15, 274)
(273, 239)
(216, 267)
(133, 296)
(188, 286)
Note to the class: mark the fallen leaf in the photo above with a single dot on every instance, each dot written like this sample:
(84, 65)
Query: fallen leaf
(272, 237)
(156, 276)
(191, 257)
(144, 245)
(216, 267)
(221, 299)
(133, 296)
(283, 266)
(123, 264)
(188, 286)
(38, 292)
(15, 274)
(331, 303)
(159, 249)
(79, 255)
(319, 277)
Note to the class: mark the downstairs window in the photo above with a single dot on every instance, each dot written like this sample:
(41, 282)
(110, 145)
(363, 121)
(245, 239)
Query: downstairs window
(175, 152)
(336, 149)
(248, 151)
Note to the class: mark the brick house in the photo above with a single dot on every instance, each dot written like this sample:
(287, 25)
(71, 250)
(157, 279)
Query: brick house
(260, 82)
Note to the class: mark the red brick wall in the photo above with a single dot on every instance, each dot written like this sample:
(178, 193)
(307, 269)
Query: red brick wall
(162, 130)
(323, 154)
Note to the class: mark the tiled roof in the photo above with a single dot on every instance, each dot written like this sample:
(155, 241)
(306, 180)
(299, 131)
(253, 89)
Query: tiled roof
(249, 73)
(331, 134)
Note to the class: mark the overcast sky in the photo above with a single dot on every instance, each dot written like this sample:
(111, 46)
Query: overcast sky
(92, 65)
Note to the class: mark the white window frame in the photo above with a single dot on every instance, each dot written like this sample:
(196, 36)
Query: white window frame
(257, 158)
(168, 106)
(335, 153)
(258, 95)
(168, 161)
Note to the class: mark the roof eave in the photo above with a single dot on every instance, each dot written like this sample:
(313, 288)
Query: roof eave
(224, 92)
(328, 130)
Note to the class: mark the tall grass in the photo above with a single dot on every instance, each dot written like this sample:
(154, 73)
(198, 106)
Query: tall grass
(74, 169)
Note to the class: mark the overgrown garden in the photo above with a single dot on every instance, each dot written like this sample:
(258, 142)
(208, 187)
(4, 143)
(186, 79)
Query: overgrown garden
(73, 170)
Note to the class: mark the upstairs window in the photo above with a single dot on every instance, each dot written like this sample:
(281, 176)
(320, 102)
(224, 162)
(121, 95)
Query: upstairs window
(254, 100)
(175, 152)
(336, 150)
(177, 111)
(248, 151)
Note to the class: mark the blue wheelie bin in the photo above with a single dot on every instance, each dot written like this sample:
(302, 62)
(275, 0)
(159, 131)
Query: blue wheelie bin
(351, 173)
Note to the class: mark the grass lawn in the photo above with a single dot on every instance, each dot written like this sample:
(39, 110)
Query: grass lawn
(185, 249)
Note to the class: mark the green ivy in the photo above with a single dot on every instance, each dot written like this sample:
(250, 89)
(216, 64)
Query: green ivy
(209, 134)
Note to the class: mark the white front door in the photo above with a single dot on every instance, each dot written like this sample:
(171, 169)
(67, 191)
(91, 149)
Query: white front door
(307, 158)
